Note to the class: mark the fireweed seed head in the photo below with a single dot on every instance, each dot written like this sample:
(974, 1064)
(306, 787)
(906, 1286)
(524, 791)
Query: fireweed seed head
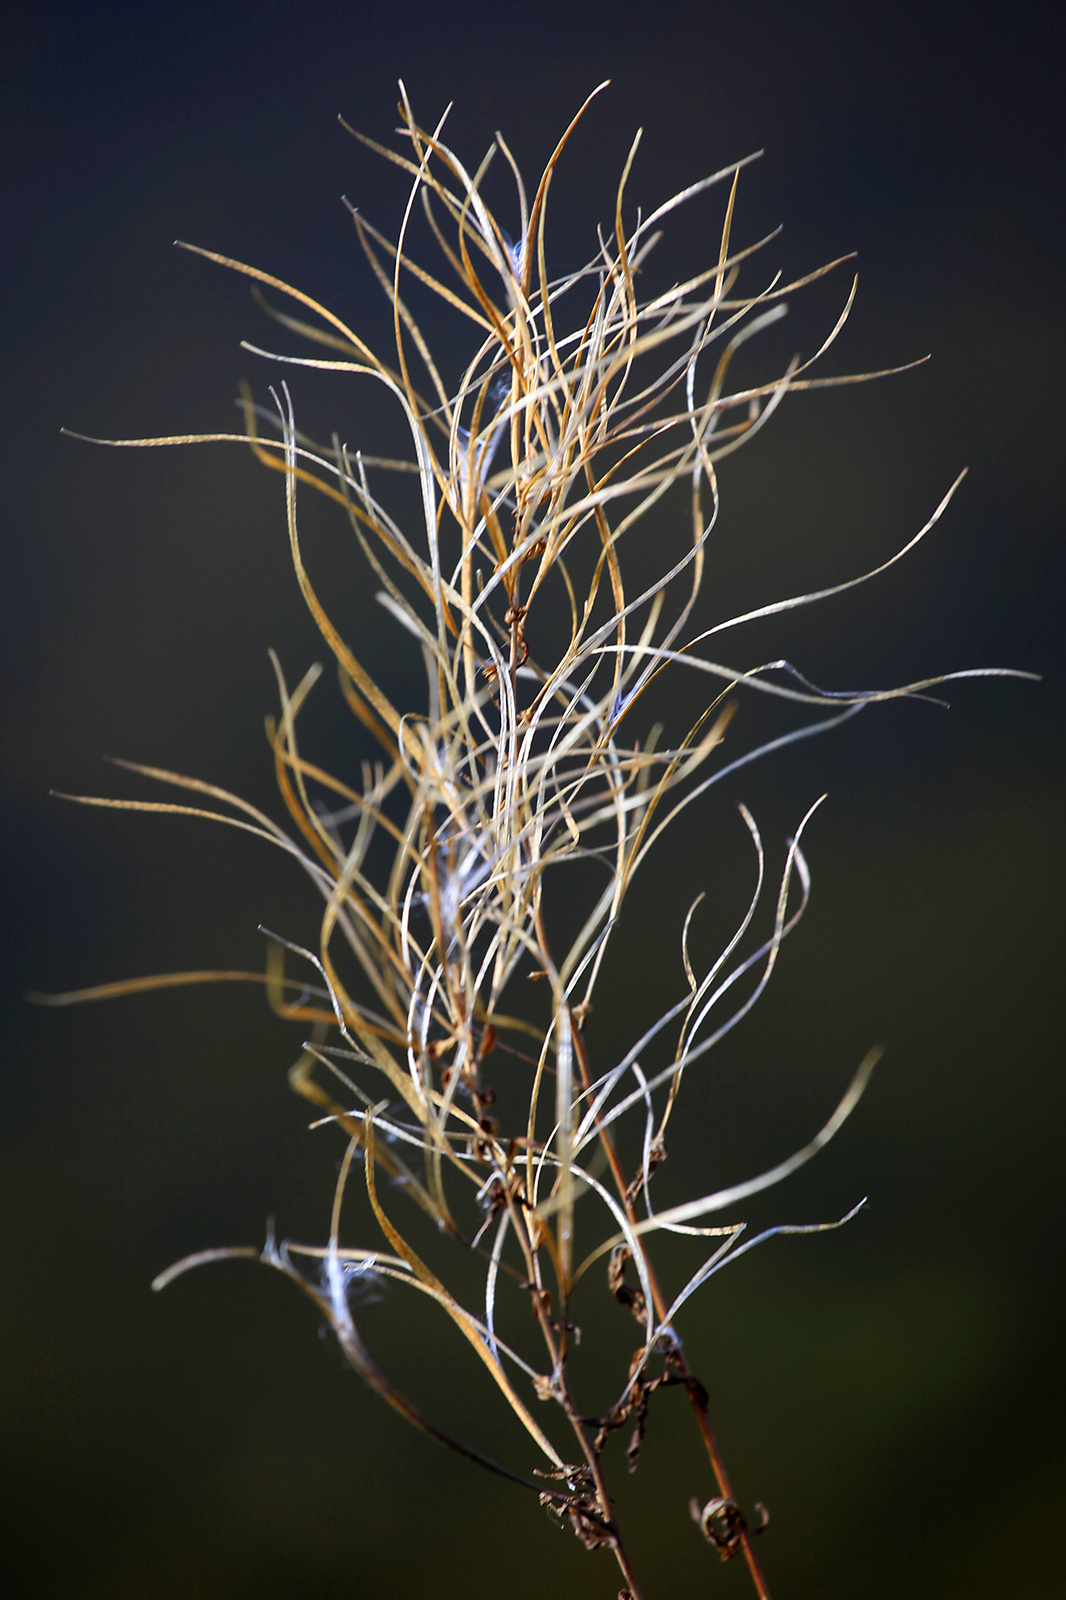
(530, 776)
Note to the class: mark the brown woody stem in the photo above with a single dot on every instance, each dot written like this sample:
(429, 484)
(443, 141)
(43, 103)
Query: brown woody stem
(695, 1390)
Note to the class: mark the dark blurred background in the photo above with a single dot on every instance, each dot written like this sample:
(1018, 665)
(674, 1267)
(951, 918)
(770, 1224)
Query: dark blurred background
(891, 1392)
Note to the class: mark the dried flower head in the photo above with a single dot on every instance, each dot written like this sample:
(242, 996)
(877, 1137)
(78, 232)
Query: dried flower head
(580, 408)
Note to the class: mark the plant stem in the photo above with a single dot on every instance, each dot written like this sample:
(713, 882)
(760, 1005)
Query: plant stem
(604, 1498)
(556, 1355)
(695, 1390)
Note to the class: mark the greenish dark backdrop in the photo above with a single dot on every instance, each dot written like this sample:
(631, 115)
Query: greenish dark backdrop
(892, 1392)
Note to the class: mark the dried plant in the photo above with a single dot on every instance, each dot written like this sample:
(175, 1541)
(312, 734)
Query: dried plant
(580, 410)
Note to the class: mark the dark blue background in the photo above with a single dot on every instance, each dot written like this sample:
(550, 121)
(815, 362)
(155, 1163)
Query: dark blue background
(893, 1393)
